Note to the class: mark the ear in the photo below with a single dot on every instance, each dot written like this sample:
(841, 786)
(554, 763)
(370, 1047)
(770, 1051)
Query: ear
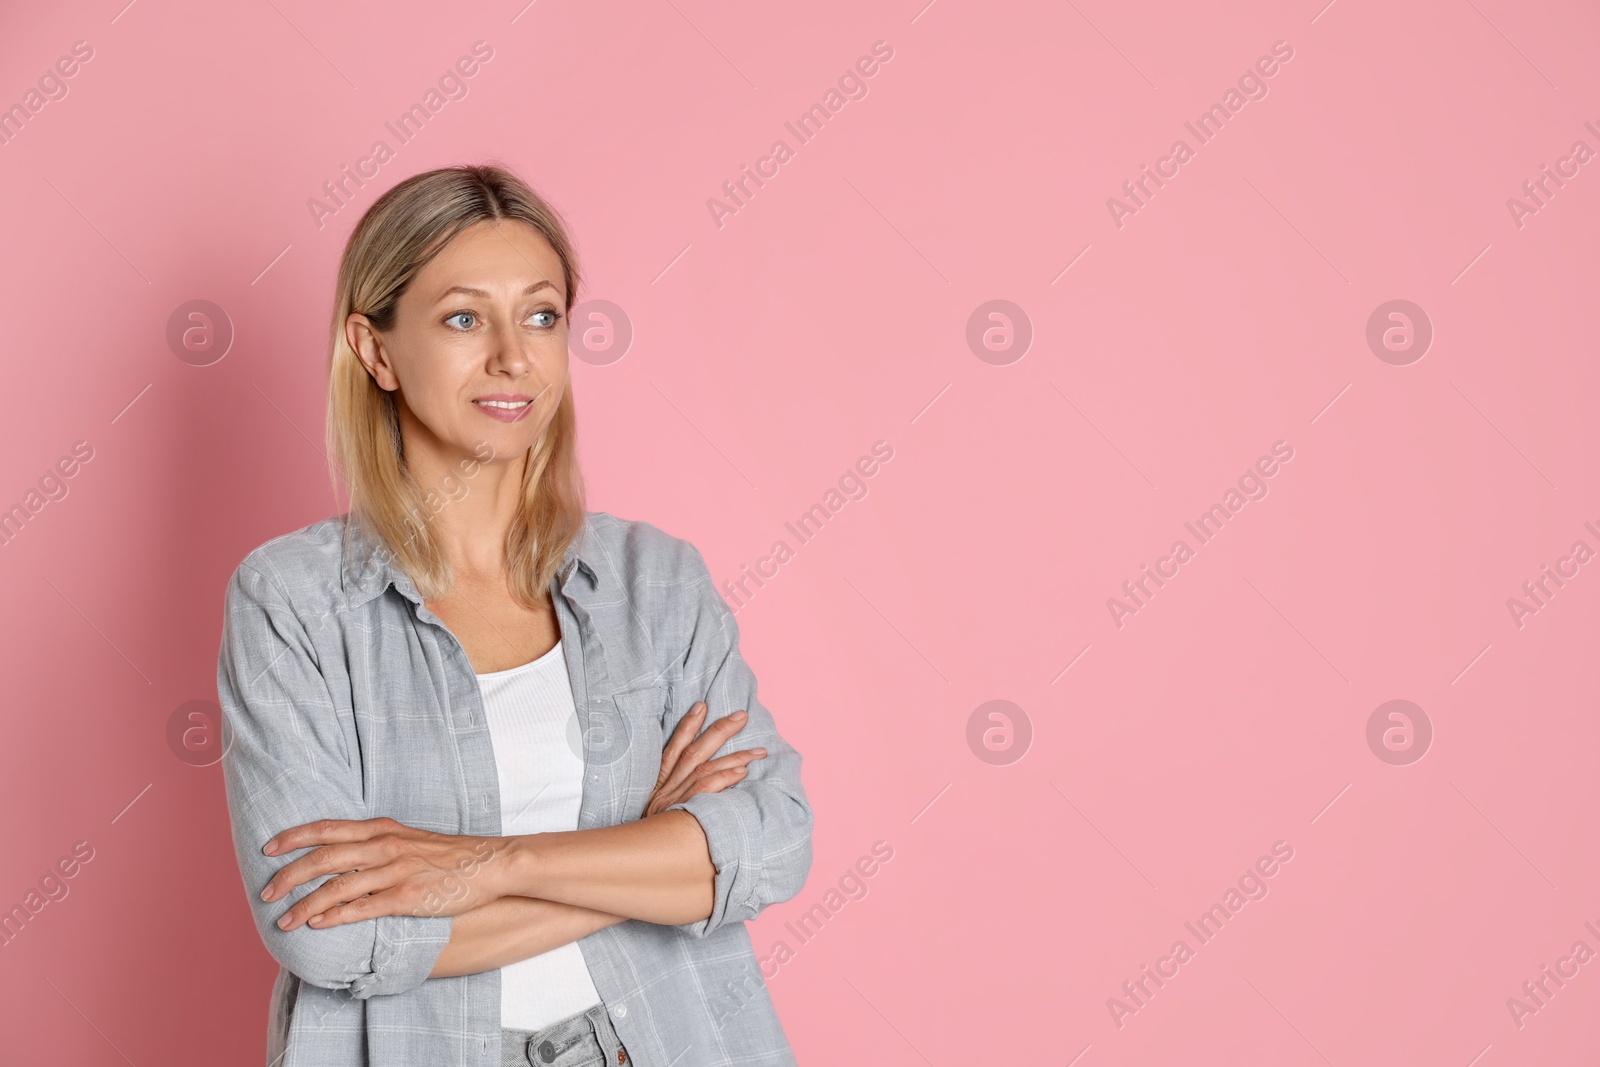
(367, 343)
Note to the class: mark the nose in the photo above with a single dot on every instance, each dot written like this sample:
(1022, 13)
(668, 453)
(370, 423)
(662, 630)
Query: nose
(511, 352)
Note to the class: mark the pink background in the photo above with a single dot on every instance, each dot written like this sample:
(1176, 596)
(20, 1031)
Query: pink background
(830, 312)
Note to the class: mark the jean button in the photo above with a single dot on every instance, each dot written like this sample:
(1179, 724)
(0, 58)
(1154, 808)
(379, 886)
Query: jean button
(620, 1011)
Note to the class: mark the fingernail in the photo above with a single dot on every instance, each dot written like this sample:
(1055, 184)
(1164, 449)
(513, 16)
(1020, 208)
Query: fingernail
(269, 848)
(283, 923)
(760, 752)
(740, 715)
(266, 894)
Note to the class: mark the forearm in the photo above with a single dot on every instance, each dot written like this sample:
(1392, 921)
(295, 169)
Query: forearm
(511, 929)
(657, 869)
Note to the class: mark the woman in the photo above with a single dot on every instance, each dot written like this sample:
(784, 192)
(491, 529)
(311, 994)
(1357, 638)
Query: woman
(472, 814)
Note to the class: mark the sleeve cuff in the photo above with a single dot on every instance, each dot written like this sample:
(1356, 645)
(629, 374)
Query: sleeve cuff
(404, 951)
(730, 823)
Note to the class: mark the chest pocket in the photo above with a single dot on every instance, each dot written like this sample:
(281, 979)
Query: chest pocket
(625, 736)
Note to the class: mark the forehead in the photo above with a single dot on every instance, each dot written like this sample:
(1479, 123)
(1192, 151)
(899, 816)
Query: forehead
(495, 252)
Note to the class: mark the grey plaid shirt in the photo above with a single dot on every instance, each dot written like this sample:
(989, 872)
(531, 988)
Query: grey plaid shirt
(344, 697)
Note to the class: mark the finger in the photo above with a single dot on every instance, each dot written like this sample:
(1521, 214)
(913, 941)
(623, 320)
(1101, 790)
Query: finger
(664, 798)
(327, 832)
(713, 782)
(342, 889)
(326, 859)
(367, 907)
(694, 753)
(737, 759)
(386, 902)
(681, 737)
(714, 737)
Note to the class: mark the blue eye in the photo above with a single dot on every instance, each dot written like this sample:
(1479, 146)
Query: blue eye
(549, 314)
(461, 314)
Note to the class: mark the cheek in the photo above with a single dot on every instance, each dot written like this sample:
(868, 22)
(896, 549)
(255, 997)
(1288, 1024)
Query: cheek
(434, 378)
(555, 346)
(554, 364)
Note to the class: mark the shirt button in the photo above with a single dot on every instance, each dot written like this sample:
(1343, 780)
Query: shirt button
(620, 1011)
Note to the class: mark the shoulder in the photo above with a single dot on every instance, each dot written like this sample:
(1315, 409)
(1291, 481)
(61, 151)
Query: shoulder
(302, 567)
(635, 551)
(662, 578)
(652, 595)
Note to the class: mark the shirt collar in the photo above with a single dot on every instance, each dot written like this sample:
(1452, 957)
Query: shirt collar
(367, 565)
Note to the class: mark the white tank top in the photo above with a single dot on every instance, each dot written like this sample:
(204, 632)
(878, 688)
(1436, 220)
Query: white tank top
(533, 725)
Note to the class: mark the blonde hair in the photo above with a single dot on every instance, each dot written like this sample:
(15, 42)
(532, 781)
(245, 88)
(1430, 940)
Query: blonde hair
(405, 228)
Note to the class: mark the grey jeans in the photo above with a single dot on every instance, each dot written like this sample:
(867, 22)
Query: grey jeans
(582, 1040)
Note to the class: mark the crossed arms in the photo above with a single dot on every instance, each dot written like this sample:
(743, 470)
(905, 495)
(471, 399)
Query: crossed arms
(515, 897)
(747, 845)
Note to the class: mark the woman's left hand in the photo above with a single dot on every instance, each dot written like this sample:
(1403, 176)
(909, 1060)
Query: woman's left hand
(384, 867)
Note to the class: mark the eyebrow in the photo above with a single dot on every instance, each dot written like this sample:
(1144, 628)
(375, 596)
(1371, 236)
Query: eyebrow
(535, 287)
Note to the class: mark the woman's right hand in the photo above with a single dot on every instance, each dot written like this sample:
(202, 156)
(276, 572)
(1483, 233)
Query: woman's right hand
(684, 768)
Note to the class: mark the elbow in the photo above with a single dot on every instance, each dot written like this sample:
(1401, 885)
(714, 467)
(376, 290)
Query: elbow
(789, 865)
(329, 959)
(373, 957)
(782, 855)
(760, 845)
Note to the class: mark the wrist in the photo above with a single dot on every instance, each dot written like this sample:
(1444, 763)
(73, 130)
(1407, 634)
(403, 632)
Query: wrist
(518, 865)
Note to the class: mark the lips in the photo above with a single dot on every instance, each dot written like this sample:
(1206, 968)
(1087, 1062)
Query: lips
(504, 407)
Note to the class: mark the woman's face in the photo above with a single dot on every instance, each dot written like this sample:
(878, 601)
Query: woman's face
(478, 351)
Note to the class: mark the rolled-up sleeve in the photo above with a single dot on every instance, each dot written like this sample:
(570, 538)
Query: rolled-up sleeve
(287, 762)
(759, 829)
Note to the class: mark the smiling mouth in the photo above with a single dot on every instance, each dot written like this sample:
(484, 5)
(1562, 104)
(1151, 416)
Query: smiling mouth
(508, 407)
